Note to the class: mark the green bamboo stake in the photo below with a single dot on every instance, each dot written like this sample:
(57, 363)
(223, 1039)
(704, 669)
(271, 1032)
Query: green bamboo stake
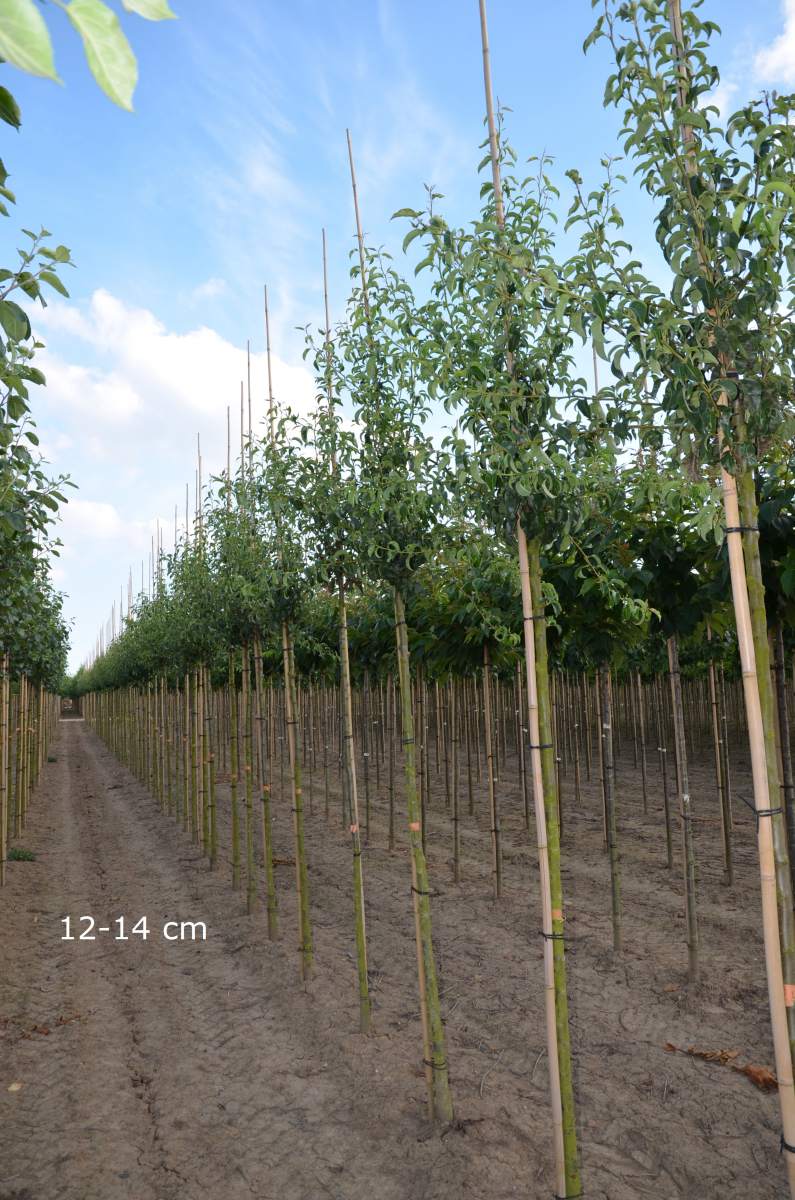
(265, 796)
(685, 805)
(294, 757)
(245, 722)
(234, 768)
(440, 1097)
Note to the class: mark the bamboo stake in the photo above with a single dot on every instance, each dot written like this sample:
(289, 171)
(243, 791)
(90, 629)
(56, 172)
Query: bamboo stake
(685, 808)
(496, 846)
(564, 1137)
(780, 999)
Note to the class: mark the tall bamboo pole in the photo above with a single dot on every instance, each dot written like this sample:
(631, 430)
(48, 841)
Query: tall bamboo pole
(440, 1100)
(291, 722)
(346, 707)
(781, 998)
(564, 1135)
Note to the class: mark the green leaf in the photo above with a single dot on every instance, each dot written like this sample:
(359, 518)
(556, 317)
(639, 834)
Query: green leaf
(9, 109)
(598, 338)
(777, 185)
(109, 54)
(16, 407)
(54, 282)
(14, 320)
(152, 10)
(24, 40)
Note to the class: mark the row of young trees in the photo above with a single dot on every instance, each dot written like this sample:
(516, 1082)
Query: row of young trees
(593, 530)
(33, 633)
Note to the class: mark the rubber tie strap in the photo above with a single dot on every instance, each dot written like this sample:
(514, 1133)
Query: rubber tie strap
(784, 1145)
(741, 529)
(759, 812)
(420, 892)
(540, 746)
(766, 812)
(442, 1066)
(552, 937)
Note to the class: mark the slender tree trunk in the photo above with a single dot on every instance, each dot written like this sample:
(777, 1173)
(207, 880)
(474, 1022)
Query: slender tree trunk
(454, 739)
(264, 790)
(758, 624)
(349, 763)
(788, 785)
(245, 723)
(642, 734)
(5, 681)
(606, 706)
(234, 773)
(564, 1129)
(496, 845)
(441, 1100)
(301, 871)
(685, 809)
(725, 821)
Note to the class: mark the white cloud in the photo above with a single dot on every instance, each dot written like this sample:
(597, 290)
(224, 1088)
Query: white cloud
(124, 402)
(93, 394)
(155, 374)
(209, 290)
(775, 64)
(722, 96)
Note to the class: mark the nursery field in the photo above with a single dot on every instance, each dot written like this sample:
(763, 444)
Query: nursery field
(181, 1070)
(424, 825)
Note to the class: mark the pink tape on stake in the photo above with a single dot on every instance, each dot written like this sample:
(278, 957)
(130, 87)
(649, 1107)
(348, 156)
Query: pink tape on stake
(414, 826)
(354, 828)
(789, 994)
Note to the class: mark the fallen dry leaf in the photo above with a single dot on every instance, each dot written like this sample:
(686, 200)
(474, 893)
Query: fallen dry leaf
(760, 1077)
(717, 1056)
(15, 1087)
(67, 1020)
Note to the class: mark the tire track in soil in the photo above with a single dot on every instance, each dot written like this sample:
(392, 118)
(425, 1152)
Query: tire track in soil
(185, 1074)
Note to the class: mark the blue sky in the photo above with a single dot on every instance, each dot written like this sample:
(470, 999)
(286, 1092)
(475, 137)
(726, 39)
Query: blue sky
(220, 182)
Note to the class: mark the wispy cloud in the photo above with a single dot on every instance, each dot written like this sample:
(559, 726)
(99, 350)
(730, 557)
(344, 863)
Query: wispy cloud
(210, 289)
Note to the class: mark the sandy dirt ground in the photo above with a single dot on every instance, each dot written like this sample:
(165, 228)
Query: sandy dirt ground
(207, 1071)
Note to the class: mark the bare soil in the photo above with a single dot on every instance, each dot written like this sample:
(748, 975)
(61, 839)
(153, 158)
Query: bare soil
(207, 1071)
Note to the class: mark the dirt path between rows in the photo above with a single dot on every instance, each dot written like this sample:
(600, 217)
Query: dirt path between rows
(204, 1071)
